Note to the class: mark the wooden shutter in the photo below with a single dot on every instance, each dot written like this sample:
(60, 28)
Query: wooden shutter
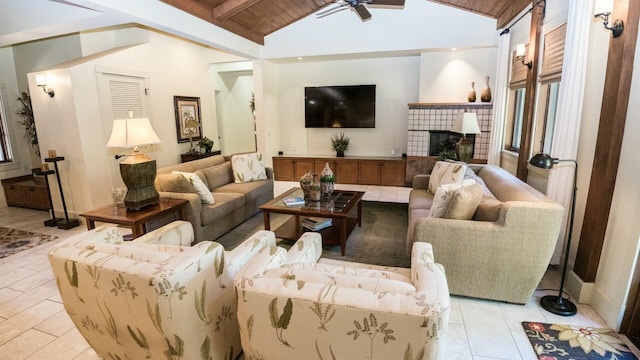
(518, 71)
(126, 95)
(553, 54)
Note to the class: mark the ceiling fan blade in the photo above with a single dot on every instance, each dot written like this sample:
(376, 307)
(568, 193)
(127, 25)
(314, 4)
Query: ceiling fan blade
(386, 2)
(332, 10)
(362, 12)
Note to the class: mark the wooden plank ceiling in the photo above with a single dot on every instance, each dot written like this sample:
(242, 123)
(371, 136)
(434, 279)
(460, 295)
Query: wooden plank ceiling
(254, 19)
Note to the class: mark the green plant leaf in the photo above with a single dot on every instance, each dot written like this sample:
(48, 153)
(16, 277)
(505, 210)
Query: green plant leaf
(286, 314)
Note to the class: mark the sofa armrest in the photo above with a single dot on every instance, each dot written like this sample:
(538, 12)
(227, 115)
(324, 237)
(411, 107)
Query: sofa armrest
(241, 254)
(192, 210)
(179, 233)
(307, 249)
(420, 181)
(270, 257)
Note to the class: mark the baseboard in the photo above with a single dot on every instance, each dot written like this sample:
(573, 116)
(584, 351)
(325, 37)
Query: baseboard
(589, 293)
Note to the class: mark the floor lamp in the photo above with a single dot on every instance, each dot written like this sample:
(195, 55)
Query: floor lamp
(557, 304)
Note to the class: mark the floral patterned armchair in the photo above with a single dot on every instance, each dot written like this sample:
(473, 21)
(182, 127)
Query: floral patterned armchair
(151, 298)
(331, 309)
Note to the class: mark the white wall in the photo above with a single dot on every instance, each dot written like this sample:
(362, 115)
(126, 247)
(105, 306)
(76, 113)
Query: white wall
(71, 122)
(419, 25)
(446, 76)
(397, 84)
(622, 239)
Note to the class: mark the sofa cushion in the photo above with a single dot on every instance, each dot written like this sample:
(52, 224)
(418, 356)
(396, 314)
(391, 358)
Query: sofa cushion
(248, 167)
(174, 183)
(252, 190)
(218, 175)
(446, 172)
(200, 188)
(456, 201)
(488, 209)
(225, 204)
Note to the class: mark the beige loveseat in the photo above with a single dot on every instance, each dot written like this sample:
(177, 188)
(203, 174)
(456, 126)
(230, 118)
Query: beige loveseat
(503, 251)
(234, 202)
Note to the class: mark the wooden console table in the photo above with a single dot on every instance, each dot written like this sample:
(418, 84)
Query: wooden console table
(190, 157)
(140, 221)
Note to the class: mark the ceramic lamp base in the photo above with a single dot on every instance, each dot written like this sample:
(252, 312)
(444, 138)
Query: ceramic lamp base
(139, 172)
(464, 150)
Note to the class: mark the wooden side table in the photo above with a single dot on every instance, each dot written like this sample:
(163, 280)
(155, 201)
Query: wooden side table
(140, 221)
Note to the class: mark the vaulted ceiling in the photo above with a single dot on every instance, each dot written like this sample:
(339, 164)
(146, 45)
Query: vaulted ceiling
(254, 19)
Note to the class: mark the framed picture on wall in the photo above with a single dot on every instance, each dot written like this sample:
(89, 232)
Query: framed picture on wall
(188, 121)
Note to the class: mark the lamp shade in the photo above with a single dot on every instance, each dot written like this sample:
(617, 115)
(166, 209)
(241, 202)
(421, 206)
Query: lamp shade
(466, 123)
(132, 132)
(543, 161)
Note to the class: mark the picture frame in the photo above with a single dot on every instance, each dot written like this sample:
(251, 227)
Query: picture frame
(188, 119)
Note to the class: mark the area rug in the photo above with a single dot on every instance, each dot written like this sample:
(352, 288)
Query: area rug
(13, 241)
(573, 342)
(380, 240)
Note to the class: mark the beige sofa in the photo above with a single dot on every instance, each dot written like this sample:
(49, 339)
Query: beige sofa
(234, 202)
(504, 250)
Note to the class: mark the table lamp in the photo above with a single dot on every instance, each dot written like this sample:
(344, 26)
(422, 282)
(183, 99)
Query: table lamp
(465, 123)
(138, 171)
(558, 304)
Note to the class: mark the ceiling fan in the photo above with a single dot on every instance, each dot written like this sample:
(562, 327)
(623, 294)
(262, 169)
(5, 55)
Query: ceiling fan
(359, 7)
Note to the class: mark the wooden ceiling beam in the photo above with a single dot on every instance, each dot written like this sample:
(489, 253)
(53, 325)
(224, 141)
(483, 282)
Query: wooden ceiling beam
(510, 11)
(230, 8)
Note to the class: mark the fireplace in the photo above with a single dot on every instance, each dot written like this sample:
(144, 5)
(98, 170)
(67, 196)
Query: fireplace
(440, 141)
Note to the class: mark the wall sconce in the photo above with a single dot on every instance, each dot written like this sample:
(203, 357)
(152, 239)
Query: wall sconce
(617, 27)
(41, 81)
(520, 51)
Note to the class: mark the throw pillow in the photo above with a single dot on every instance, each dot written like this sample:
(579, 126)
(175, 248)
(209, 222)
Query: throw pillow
(446, 172)
(248, 167)
(200, 188)
(174, 183)
(457, 200)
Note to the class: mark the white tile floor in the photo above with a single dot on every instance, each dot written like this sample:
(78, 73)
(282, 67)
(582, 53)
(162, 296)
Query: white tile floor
(34, 325)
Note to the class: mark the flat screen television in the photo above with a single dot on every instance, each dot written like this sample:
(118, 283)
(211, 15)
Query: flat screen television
(347, 106)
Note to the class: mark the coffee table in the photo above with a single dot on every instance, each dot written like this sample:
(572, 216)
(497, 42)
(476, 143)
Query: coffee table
(337, 207)
(140, 221)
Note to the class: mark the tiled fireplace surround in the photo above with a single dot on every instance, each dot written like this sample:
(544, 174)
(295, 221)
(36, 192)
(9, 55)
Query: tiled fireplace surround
(426, 117)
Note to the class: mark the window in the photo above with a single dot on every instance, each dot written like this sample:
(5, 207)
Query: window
(5, 149)
(550, 116)
(516, 120)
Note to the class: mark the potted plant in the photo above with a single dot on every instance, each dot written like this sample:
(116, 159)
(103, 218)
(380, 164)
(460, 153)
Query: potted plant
(340, 143)
(206, 144)
(28, 122)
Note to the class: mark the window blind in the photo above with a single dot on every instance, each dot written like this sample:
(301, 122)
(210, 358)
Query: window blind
(553, 54)
(518, 71)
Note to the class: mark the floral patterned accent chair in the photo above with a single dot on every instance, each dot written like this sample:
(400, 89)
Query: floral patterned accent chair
(328, 309)
(154, 297)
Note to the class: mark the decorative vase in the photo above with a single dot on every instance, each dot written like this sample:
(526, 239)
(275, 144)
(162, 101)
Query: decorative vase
(305, 184)
(339, 153)
(471, 97)
(327, 180)
(486, 92)
(315, 192)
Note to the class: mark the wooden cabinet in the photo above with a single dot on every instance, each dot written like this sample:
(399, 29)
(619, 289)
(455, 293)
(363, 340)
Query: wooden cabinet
(347, 170)
(291, 169)
(27, 191)
(382, 172)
